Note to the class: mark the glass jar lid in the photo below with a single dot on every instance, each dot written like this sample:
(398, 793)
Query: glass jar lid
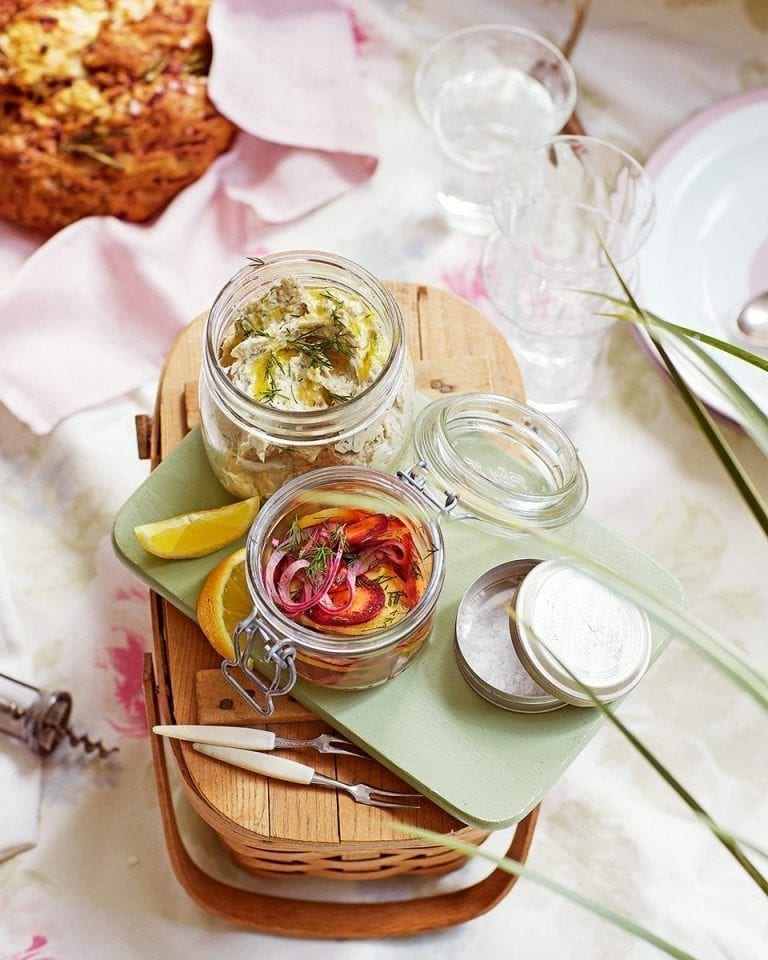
(506, 464)
(564, 616)
(484, 652)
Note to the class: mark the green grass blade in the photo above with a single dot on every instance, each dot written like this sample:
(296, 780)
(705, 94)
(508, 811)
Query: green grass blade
(686, 333)
(722, 836)
(731, 348)
(754, 421)
(724, 453)
(730, 389)
(521, 870)
(737, 838)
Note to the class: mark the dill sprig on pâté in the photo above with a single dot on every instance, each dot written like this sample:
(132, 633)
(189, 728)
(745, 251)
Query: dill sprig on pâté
(317, 344)
(338, 397)
(272, 391)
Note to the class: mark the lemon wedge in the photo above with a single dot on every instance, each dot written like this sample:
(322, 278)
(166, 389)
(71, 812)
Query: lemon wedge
(200, 533)
(223, 602)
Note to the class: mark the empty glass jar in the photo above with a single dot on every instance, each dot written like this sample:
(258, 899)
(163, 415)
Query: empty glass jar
(501, 463)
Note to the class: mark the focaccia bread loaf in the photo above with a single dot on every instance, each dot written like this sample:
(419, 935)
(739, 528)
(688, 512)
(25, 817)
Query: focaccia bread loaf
(103, 107)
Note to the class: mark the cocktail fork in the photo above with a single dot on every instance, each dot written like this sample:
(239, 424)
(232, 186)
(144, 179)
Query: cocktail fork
(270, 766)
(249, 738)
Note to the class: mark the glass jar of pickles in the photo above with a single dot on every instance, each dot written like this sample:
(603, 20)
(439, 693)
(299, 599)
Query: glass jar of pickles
(344, 567)
(304, 365)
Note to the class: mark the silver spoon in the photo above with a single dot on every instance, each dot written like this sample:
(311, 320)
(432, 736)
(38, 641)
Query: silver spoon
(752, 320)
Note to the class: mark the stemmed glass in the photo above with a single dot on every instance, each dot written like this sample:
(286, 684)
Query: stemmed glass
(561, 207)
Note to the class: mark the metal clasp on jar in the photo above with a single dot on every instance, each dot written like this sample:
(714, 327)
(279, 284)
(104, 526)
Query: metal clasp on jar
(277, 650)
(416, 478)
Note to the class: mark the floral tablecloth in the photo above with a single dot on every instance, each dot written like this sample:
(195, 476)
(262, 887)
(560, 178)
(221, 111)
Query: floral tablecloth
(98, 882)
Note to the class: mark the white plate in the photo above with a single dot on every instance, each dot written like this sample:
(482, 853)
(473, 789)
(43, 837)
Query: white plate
(708, 252)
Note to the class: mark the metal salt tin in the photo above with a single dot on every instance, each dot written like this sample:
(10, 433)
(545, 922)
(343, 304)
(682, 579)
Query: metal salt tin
(483, 646)
(519, 618)
(565, 618)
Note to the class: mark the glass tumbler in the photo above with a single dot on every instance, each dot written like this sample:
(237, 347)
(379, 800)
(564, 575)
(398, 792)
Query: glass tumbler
(559, 207)
(481, 91)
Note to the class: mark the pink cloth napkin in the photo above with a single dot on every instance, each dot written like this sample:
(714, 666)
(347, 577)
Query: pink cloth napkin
(89, 314)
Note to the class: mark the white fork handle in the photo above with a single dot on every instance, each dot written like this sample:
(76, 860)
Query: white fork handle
(266, 764)
(244, 737)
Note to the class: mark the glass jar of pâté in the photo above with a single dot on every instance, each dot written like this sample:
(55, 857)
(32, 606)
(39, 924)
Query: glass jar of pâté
(304, 365)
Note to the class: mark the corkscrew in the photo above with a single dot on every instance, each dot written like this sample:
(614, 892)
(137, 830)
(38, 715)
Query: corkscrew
(41, 719)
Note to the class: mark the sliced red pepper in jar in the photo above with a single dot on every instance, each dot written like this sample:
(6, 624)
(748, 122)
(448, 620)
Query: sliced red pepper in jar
(399, 533)
(396, 528)
(369, 599)
(363, 531)
(410, 587)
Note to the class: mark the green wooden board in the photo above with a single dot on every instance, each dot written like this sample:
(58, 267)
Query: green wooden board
(484, 765)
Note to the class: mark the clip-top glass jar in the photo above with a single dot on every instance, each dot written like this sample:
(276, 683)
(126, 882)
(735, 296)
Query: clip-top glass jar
(484, 459)
(346, 658)
(324, 378)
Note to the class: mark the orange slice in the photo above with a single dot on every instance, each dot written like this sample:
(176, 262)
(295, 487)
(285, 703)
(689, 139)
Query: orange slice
(223, 602)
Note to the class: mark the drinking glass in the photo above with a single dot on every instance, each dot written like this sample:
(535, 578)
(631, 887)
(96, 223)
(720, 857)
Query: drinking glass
(562, 208)
(481, 91)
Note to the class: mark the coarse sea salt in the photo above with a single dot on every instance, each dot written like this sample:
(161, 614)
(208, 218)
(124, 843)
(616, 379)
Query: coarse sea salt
(487, 648)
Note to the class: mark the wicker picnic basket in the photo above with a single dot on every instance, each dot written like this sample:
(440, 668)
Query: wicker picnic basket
(277, 830)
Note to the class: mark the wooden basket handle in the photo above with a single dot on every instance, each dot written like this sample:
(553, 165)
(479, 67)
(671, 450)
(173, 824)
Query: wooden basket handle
(310, 918)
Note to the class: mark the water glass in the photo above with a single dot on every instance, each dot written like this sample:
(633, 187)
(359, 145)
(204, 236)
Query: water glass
(559, 207)
(481, 91)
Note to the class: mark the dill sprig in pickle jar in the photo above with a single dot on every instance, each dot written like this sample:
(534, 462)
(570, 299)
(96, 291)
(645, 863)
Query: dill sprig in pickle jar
(304, 365)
